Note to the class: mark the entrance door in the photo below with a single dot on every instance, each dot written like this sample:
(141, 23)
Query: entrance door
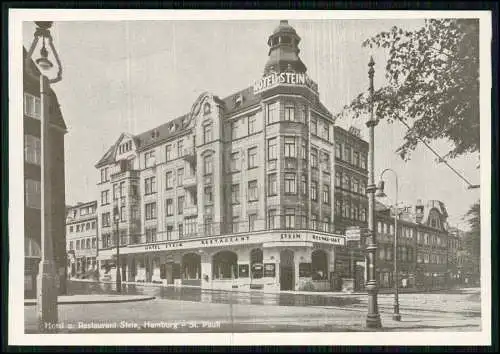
(287, 270)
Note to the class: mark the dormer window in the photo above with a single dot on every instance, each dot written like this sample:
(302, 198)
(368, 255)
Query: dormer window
(206, 108)
(173, 127)
(238, 100)
(286, 40)
(155, 134)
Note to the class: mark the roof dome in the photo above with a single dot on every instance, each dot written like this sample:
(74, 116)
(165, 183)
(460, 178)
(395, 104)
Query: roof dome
(284, 27)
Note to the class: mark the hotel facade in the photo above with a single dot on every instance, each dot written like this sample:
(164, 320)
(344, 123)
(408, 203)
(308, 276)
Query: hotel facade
(243, 192)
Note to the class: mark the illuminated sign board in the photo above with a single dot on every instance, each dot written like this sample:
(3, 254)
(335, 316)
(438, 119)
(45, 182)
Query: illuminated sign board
(276, 79)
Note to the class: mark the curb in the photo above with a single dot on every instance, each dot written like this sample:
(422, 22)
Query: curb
(32, 302)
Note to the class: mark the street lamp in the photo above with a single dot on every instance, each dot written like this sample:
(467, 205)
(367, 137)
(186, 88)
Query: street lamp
(116, 216)
(373, 316)
(46, 279)
(396, 316)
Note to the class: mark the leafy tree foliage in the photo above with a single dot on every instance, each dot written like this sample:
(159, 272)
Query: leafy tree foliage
(433, 84)
(472, 239)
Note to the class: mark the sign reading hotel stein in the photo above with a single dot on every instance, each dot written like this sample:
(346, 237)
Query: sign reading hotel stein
(275, 79)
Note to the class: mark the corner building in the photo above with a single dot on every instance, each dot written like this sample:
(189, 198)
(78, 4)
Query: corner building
(237, 193)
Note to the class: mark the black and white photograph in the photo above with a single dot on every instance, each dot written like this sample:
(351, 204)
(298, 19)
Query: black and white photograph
(249, 177)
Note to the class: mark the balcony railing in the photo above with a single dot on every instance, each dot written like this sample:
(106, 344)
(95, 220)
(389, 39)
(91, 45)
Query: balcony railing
(190, 210)
(190, 182)
(125, 174)
(189, 155)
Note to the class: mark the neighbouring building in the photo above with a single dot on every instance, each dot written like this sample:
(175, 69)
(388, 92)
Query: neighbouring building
(32, 178)
(239, 192)
(81, 240)
(422, 251)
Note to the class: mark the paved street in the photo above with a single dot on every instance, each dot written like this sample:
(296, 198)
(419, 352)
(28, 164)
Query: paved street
(189, 309)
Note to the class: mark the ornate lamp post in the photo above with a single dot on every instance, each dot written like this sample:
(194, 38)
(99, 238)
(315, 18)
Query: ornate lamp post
(396, 316)
(373, 316)
(116, 216)
(47, 290)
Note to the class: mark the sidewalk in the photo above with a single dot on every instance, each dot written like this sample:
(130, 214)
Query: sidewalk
(93, 299)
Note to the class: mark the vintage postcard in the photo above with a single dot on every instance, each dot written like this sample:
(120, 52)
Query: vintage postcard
(249, 177)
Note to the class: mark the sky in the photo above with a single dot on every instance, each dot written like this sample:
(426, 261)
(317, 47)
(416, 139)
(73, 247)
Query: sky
(130, 76)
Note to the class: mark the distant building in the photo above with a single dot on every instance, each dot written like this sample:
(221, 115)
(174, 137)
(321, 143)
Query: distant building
(32, 178)
(81, 240)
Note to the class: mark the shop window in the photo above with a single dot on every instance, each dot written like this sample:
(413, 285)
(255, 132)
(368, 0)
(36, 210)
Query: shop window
(319, 263)
(191, 266)
(225, 265)
(256, 265)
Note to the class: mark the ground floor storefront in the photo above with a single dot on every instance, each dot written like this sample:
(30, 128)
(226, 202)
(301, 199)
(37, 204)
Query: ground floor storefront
(260, 261)
(81, 266)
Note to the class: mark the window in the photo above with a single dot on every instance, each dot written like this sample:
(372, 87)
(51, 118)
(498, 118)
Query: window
(252, 190)
(236, 224)
(363, 161)
(338, 207)
(33, 194)
(314, 126)
(87, 243)
(347, 153)
(122, 190)
(170, 231)
(150, 211)
(168, 152)
(303, 182)
(104, 174)
(314, 158)
(78, 228)
(346, 205)
(273, 219)
(105, 197)
(326, 224)
(207, 133)
(208, 194)
(325, 160)
(362, 214)
(180, 176)
(123, 215)
(149, 158)
(290, 147)
(326, 194)
(169, 207)
(252, 124)
(71, 229)
(208, 225)
(347, 182)
(314, 190)
(314, 221)
(251, 221)
(151, 234)
(355, 185)
(301, 113)
(338, 150)
(272, 149)
(180, 148)
(106, 219)
(207, 164)
(70, 245)
(362, 188)
(150, 185)
(356, 158)
(252, 157)
(180, 205)
(290, 183)
(234, 130)
(180, 227)
(289, 218)
(272, 186)
(272, 113)
(290, 112)
(32, 106)
(338, 179)
(235, 165)
(32, 149)
(235, 193)
(77, 244)
(169, 180)
(326, 131)
(303, 149)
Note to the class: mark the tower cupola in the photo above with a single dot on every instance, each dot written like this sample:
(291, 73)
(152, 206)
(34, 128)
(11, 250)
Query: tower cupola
(284, 51)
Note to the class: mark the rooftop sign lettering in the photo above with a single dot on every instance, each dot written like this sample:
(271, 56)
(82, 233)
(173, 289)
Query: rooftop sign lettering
(295, 79)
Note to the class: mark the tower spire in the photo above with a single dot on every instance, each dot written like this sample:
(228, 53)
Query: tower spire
(283, 50)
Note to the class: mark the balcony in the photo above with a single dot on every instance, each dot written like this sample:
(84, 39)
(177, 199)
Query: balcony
(189, 155)
(125, 174)
(190, 182)
(191, 210)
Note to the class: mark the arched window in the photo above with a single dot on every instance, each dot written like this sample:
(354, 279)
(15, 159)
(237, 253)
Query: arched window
(256, 266)
(319, 266)
(225, 265)
(191, 266)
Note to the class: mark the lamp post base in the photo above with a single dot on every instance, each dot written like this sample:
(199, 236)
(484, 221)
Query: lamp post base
(396, 316)
(47, 291)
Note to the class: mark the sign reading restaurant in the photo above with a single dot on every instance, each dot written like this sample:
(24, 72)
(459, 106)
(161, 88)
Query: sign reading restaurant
(275, 79)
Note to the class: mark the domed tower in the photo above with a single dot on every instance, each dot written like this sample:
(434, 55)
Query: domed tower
(284, 51)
